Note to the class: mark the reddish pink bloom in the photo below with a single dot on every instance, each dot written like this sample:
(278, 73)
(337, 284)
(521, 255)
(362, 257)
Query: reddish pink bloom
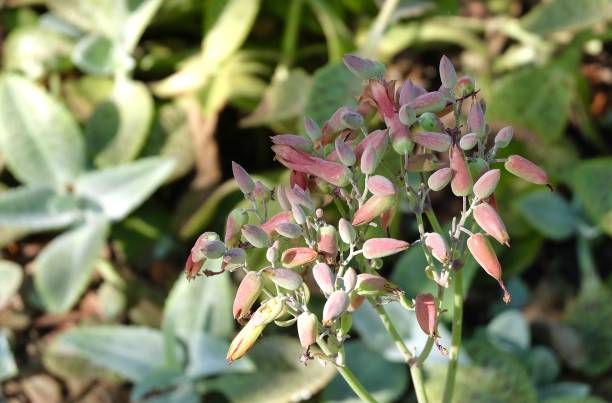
(332, 172)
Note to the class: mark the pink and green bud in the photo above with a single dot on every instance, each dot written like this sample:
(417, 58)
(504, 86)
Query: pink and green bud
(352, 119)
(483, 253)
(312, 129)
(255, 236)
(284, 278)
(347, 231)
(448, 76)
(365, 69)
(244, 180)
(478, 167)
(434, 101)
(213, 249)
(503, 137)
(300, 197)
(374, 285)
(289, 230)
(235, 220)
(436, 243)
(328, 241)
(248, 292)
(468, 141)
(488, 219)
(476, 122)
(375, 248)
(465, 86)
(270, 226)
(335, 306)
(298, 214)
(486, 184)
(374, 139)
(332, 172)
(381, 186)
(349, 280)
(439, 179)
(281, 197)
(299, 256)
(422, 163)
(324, 277)
(196, 250)
(334, 125)
(372, 208)
(430, 122)
(434, 141)
(345, 153)
(307, 326)
(461, 184)
(425, 309)
(400, 141)
(526, 170)
(407, 115)
(292, 140)
(409, 91)
(373, 154)
(233, 258)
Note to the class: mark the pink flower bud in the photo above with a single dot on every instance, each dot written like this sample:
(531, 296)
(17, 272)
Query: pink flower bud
(300, 197)
(503, 137)
(430, 122)
(347, 231)
(281, 197)
(312, 129)
(383, 100)
(307, 325)
(349, 279)
(407, 115)
(248, 292)
(245, 183)
(486, 184)
(484, 254)
(434, 141)
(373, 285)
(461, 184)
(235, 220)
(345, 153)
(255, 236)
(323, 277)
(196, 249)
(192, 268)
(292, 140)
(372, 208)
(374, 139)
(336, 305)
(400, 141)
(213, 249)
(439, 179)
(298, 214)
(364, 69)
(409, 91)
(476, 122)
(328, 241)
(284, 278)
(352, 119)
(433, 101)
(422, 163)
(448, 76)
(465, 86)
(526, 170)
(295, 257)
(334, 125)
(375, 248)
(488, 219)
(289, 230)
(436, 243)
(426, 313)
(332, 172)
(381, 186)
(373, 153)
(270, 226)
(468, 141)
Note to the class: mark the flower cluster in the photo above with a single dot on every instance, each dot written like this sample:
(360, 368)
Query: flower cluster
(428, 141)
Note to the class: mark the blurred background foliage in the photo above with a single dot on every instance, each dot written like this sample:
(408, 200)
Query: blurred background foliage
(118, 122)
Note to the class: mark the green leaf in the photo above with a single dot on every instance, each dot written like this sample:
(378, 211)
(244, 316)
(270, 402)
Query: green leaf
(83, 94)
(36, 208)
(333, 86)
(39, 139)
(119, 190)
(94, 54)
(63, 268)
(509, 331)
(201, 306)
(118, 128)
(273, 107)
(11, 275)
(129, 351)
(279, 378)
(207, 357)
(8, 367)
(183, 394)
(565, 391)
(140, 14)
(548, 213)
(589, 181)
(534, 98)
(158, 379)
(561, 15)
(543, 365)
(386, 381)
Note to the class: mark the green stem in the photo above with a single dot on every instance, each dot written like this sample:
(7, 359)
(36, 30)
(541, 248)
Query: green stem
(378, 28)
(433, 220)
(589, 278)
(349, 377)
(290, 35)
(456, 337)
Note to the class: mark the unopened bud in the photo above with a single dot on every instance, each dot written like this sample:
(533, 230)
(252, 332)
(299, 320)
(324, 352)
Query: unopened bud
(289, 230)
(284, 278)
(486, 184)
(197, 253)
(255, 236)
(269, 226)
(448, 76)
(439, 179)
(364, 69)
(409, 91)
(298, 214)
(235, 220)
(461, 184)
(434, 141)
(372, 208)
(234, 257)
(281, 197)
(272, 253)
(378, 185)
(349, 279)
(307, 325)
(295, 257)
(373, 285)
(503, 137)
(422, 163)
(323, 277)
(526, 170)
(336, 305)
(345, 153)
(468, 141)
(375, 248)
(426, 313)
(407, 115)
(213, 249)
(430, 122)
(328, 241)
(293, 140)
(465, 86)
(484, 255)
(245, 183)
(248, 292)
(347, 231)
(488, 219)
(434, 101)
(436, 243)
(301, 197)
(373, 154)
(312, 129)
(352, 120)
(476, 122)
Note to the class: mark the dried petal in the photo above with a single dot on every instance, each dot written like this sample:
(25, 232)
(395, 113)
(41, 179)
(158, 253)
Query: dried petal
(375, 248)
(422, 163)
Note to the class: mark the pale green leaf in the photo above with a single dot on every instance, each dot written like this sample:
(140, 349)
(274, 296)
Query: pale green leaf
(118, 128)
(509, 331)
(140, 14)
(8, 367)
(158, 379)
(39, 139)
(119, 190)
(207, 357)
(182, 394)
(63, 268)
(548, 213)
(590, 181)
(94, 54)
(543, 364)
(11, 275)
(562, 15)
(83, 94)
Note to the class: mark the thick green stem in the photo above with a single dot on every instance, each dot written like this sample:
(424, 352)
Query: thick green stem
(290, 35)
(456, 338)
(349, 377)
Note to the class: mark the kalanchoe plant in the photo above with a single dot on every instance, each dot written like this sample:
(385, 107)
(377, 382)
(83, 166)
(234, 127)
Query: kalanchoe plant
(437, 139)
